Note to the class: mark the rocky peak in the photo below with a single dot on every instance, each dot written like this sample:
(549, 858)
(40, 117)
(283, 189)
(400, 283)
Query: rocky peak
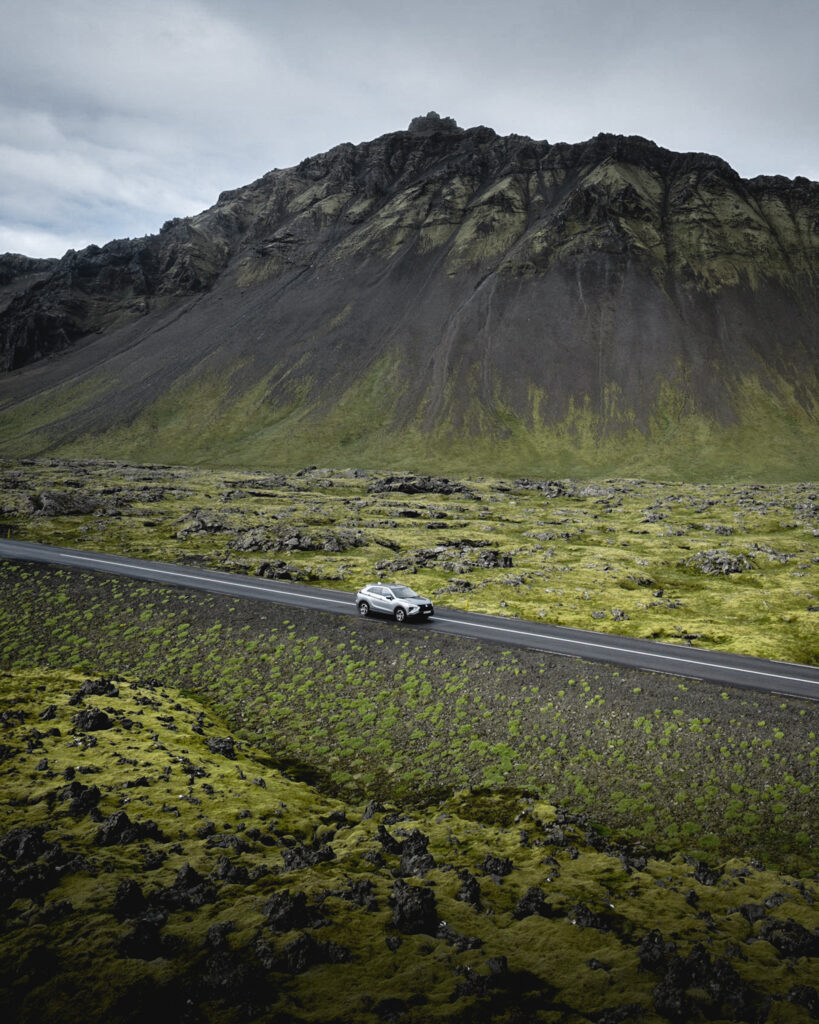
(433, 122)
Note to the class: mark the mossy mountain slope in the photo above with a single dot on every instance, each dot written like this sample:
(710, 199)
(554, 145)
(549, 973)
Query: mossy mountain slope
(443, 296)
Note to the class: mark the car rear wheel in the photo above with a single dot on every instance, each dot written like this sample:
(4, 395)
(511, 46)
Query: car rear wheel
(400, 615)
(363, 609)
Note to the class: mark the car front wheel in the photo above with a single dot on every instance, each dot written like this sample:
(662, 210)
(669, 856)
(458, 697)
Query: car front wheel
(400, 615)
(363, 609)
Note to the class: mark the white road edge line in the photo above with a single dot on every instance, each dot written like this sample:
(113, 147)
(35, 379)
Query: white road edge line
(205, 579)
(629, 650)
(455, 622)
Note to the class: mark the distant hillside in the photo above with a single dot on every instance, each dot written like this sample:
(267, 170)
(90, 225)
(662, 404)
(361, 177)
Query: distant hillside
(443, 299)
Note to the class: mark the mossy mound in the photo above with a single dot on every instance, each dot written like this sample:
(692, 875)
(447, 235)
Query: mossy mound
(153, 866)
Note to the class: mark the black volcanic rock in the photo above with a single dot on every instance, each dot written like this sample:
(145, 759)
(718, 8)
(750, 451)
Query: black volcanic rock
(23, 845)
(82, 798)
(415, 858)
(118, 829)
(285, 911)
(223, 745)
(20, 273)
(413, 908)
(413, 484)
(433, 122)
(533, 902)
(96, 289)
(17, 268)
(92, 720)
(448, 283)
(129, 900)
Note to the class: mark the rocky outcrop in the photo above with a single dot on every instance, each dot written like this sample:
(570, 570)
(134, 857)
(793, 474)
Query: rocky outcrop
(100, 288)
(719, 562)
(18, 269)
(413, 909)
(118, 829)
(415, 484)
(20, 273)
(459, 556)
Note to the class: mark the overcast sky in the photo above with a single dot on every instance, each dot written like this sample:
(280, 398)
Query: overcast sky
(118, 114)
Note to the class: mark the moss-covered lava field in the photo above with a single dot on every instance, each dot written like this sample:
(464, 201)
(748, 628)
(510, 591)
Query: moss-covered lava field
(223, 810)
(365, 709)
(156, 868)
(722, 566)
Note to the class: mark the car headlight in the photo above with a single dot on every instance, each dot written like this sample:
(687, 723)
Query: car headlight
(412, 609)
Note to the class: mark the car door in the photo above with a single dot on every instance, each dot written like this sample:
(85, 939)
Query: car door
(379, 599)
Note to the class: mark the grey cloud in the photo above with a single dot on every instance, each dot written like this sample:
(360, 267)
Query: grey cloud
(116, 116)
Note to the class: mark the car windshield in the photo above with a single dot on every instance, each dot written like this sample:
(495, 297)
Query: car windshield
(403, 592)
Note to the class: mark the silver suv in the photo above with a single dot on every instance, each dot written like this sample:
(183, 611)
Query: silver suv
(393, 599)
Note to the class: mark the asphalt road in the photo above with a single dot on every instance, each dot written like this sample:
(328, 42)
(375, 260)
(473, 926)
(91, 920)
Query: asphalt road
(695, 663)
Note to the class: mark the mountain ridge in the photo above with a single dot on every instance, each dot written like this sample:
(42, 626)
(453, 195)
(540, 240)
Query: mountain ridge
(436, 290)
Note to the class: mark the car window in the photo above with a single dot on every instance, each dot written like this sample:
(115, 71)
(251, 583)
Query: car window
(404, 592)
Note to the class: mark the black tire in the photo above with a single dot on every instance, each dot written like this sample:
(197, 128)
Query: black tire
(363, 609)
(400, 615)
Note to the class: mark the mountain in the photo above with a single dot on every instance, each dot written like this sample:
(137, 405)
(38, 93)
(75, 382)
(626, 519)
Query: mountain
(442, 299)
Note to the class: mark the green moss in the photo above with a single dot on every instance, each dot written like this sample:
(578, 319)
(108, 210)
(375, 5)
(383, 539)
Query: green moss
(327, 696)
(210, 418)
(66, 953)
